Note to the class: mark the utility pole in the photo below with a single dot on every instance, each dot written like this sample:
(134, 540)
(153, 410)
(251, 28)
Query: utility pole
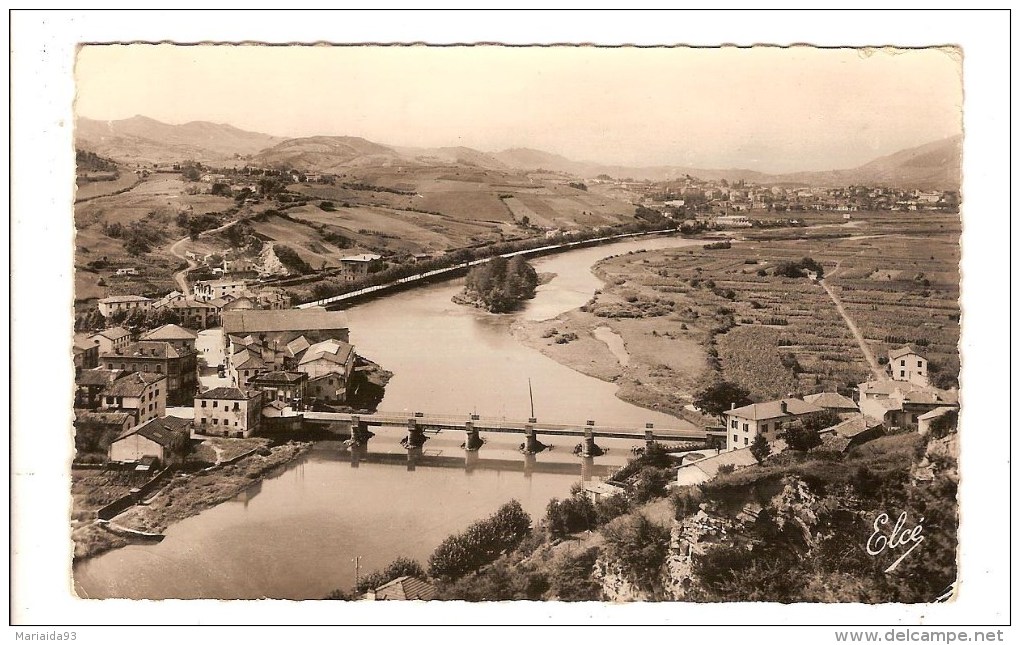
(357, 570)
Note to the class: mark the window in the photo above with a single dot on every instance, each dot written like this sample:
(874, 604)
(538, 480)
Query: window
(109, 400)
(919, 363)
(745, 427)
(150, 407)
(109, 366)
(145, 368)
(237, 406)
(203, 405)
(745, 441)
(733, 423)
(215, 404)
(204, 420)
(216, 422)
(902, 373)
(734, 438)
(159, 369)
(903, 363)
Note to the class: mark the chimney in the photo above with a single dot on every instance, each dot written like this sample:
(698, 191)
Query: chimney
(733, 405)
(782, 407)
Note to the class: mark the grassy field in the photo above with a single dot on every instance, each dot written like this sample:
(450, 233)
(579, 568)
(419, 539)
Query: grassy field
(93, 189)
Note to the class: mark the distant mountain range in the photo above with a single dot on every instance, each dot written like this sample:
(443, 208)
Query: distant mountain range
(935, 165)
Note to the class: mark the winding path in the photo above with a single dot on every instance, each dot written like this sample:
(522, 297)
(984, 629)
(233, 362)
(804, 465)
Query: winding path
(181, 277)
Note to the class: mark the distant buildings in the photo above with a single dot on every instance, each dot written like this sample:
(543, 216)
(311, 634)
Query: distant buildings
(356, 267)
(180, 338)
(902, 403)
(111, 339)
(206, 290)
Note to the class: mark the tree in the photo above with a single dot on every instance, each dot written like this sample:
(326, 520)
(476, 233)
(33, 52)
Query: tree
(798, 437)
(398, 568)
(640, 546)
(721, 396)
(760, 448)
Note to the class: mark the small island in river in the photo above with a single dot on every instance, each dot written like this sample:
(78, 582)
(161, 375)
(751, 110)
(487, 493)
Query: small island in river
(499, 285)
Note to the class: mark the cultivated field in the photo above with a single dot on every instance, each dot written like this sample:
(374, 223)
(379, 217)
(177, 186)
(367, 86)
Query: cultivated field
(690, 315)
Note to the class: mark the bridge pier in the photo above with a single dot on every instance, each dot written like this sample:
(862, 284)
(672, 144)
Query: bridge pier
(415, 435)
(531, 443)
(360, 434)
(649, 435)
(358, 452)
(474, 439)
(589, 448)
(587, 463)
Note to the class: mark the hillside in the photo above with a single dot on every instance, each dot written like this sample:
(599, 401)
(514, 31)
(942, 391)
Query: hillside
(144, 140)
(326, 154)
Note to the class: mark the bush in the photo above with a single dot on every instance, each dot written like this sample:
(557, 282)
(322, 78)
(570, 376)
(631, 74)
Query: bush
(501, 284)
(572, 579)
(640, 547)
(291, 260)
(481, 543)
(576, 513)
(760, 448)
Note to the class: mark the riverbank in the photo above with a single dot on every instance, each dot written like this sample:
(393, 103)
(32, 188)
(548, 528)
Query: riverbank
(185, 495)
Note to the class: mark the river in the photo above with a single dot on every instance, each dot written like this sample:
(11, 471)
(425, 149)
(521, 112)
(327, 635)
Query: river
(296, 535)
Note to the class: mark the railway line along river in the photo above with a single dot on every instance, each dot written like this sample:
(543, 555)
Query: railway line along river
(295, 535)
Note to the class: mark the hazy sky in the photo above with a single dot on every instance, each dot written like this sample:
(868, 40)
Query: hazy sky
(768, 109)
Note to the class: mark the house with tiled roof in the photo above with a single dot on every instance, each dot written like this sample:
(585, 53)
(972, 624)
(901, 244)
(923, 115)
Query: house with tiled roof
(281, 386)
(164, 439)
(228, 412)
(89, 385)
(899, 404)
(93, 431)
(832, 401)
(180, 337)
(906, 364)
(110, 339)
(84, 352)
(266, 324)
(141, 394)
(850, 432)
(158, 357)
(115, 304)
(703, 470)
(404, 588)
(769, 418)
(329, 366)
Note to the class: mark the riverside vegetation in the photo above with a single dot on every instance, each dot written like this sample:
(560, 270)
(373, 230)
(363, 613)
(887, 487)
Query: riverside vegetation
(793, 528)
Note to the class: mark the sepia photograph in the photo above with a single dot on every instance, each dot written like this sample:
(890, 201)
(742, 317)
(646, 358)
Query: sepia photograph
(557, 322)
(459, 326)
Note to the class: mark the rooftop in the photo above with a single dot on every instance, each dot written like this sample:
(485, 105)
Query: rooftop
(113, 333)
(276, 320)
(831, 400)
(332, 350)
(773, 409)
(103, 418)
(116, 299)
(279, 377)
(134, 384)
(902, 351)
(98, 376)
(170, 332)
(229, 393)
(406, 588)
(146, 349)
(160, 430)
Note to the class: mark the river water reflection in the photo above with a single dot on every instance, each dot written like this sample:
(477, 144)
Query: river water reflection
(296, 534)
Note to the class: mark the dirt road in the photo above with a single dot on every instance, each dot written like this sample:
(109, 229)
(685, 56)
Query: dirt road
(865, 348)
(181, 277)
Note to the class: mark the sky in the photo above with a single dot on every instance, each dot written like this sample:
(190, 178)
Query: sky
(765, 108)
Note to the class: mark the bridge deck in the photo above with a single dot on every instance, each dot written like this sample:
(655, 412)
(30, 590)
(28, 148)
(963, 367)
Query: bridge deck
(488, 424)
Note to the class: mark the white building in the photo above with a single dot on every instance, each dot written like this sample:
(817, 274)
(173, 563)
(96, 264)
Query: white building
(113, 304)
(907, 365)
(228, 412)
(769, 419)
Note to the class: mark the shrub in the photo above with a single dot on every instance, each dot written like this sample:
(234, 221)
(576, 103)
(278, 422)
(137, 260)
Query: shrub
(481, 543)
(760, 448)
(640, 547)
